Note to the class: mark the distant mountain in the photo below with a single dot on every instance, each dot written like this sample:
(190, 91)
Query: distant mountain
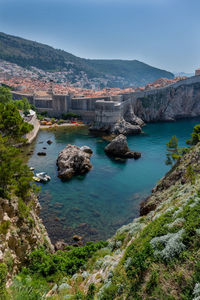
(183, 74)
(98, 72)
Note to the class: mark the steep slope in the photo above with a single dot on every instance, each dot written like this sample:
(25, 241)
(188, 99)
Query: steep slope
(134, 72)
(111, 73)
(21, 231)
(157, 255)
(179, 100)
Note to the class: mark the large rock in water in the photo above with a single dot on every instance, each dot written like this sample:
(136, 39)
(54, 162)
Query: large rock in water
(73, 160)
(125, 128)
(119, 148)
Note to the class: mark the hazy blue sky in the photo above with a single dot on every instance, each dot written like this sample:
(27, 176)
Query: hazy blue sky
(163, 33)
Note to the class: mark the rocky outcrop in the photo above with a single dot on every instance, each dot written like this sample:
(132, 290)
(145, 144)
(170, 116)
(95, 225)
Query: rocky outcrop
(131, 118)
(125, 128)
(73, 160)
(21, 231)
(179, 100)
(118, 147)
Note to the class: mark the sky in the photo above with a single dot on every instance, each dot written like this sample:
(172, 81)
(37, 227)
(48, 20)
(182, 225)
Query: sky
(162, 33)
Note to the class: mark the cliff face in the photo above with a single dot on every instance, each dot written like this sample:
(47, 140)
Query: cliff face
(21, 231)
(157, 255)
(170, 103)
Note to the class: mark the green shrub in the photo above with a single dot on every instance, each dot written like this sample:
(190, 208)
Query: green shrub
(91, 292)
(23, 209)
(195, 136)
(69, 116)
(153, 282)
(190, 175)
(62, 262)
(3, 276)
(28, 288)
(4, 227)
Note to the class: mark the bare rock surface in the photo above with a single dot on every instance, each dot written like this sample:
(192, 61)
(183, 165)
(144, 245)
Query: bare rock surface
(118, 147)
(131, 118)
(125, 128)
(73, 160)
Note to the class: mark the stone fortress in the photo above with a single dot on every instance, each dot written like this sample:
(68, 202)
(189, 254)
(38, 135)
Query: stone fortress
(178, 100)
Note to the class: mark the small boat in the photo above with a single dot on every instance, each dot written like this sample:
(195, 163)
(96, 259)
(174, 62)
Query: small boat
(36, 178)
(32, 168)
(43, 176)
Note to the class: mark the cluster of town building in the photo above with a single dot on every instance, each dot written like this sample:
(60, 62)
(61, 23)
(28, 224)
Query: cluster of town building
(27, 83)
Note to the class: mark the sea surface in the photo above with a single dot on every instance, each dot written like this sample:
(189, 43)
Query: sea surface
(97, 204)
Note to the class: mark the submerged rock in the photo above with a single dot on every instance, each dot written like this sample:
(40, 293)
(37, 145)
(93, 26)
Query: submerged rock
(41, 154)
(73, 160)
(119, 148)
(60, 245)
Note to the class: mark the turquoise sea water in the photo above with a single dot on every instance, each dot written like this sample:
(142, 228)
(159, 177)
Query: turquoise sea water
(96, 204)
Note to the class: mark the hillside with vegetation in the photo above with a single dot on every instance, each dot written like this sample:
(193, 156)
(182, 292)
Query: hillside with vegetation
(109, 73)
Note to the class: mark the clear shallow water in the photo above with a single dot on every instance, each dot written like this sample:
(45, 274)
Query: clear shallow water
(96, 204)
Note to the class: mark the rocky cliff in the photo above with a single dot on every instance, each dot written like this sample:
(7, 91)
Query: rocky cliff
(179, 100)
(21, 231)
(157, 255)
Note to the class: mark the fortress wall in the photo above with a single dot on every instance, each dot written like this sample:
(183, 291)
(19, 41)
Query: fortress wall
(17, 96)
(59, 104)
(86, 104)
(107, 112)
(86, 116)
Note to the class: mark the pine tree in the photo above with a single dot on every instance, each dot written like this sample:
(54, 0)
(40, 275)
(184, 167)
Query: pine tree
(173, 152)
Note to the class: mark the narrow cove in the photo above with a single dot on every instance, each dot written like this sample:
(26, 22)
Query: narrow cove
(94, 206)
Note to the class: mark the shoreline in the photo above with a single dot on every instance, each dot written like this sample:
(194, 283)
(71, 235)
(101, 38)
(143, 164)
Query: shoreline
(61, 125)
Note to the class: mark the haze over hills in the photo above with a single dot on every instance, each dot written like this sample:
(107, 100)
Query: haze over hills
(85, 72)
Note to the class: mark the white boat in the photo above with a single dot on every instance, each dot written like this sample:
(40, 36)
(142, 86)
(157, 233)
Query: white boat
(32, 168)
(43, 176)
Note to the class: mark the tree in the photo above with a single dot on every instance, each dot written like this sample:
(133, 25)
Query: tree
(5, 95)
(15, 176)
(173, 152)
(195, 136)
(8, 166)
(12, 124)
(22, 105)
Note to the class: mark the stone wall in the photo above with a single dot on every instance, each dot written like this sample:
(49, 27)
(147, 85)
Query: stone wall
(108, 112)
(181, 99)
(32, 135)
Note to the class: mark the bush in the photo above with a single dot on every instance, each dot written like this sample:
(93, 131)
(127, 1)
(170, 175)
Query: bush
(195, 136)
(190, 175)
(69, 116)
(62, 262)
(28, 288)
(4, 227)
(23, 209)
(3, 276)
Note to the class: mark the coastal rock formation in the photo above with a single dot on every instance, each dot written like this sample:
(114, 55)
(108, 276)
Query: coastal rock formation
(119, 148)
(125, 128)
(179, 100)
(73, 160)
(20, 231)
(131, 118)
